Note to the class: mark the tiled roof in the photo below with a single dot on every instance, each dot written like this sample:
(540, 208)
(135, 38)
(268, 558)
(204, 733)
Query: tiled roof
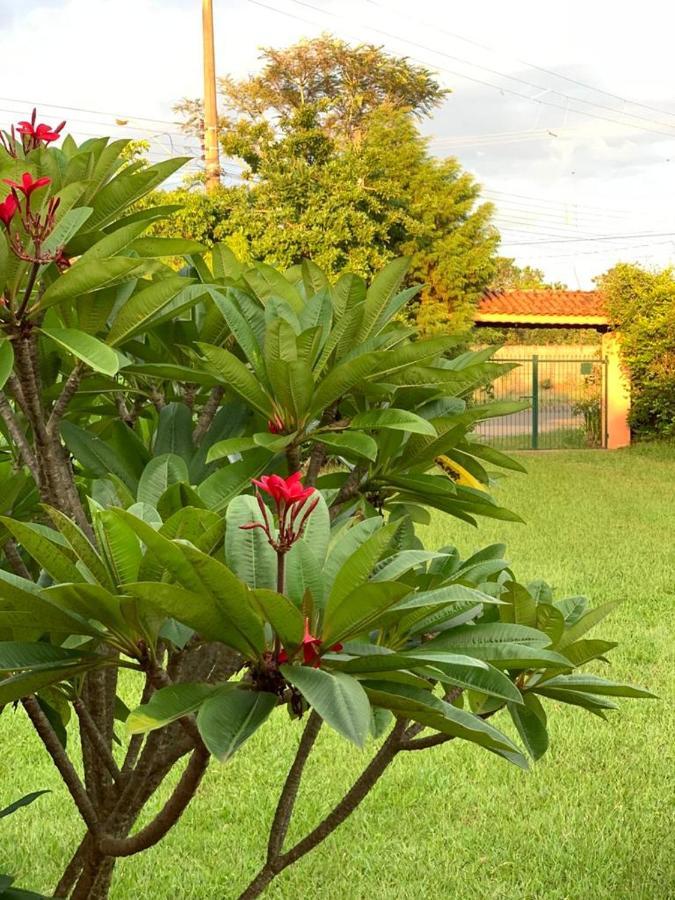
(543, 305)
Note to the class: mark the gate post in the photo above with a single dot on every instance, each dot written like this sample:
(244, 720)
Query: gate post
(617, 393)
(535, 402)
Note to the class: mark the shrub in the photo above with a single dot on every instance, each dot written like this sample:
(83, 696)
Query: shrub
(642, 306)
(141, 408)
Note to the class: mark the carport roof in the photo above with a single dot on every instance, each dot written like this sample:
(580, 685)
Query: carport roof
(575, 309)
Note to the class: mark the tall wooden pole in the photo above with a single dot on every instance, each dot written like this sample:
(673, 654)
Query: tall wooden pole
(211, 156)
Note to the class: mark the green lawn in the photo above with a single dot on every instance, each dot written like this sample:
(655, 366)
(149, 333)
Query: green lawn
(592, 820)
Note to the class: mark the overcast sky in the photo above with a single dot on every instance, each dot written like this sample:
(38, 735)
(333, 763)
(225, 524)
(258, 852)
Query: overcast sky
(564, 112)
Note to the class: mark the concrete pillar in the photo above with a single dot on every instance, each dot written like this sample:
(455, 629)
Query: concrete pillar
(617, 394)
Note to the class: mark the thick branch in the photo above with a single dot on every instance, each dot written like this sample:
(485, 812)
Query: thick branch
(359, 790)
(69, 390)
(348, 490)
(66, 769)
(284, 811)
(15, 561)
(97, 739)
(207, 415)
(19, 438)
(173, 809)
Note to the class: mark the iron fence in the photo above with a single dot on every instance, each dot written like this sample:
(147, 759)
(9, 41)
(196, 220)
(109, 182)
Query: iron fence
(566, 409)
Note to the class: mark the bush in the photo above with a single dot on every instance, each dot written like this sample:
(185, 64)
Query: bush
(642, 306)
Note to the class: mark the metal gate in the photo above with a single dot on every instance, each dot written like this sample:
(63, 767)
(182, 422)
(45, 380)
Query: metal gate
(567, 408)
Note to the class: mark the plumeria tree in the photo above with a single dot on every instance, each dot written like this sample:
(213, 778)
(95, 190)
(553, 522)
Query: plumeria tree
(212, 480)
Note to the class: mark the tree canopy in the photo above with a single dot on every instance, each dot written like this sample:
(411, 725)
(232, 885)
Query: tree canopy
(335, 169)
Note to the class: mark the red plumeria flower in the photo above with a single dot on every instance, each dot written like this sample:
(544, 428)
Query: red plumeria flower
(27, 185)
(310, 649)
(276, 425)
(284, 490)
(39, 133)
(7, 209)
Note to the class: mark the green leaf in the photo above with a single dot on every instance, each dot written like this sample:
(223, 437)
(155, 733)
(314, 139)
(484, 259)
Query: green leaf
(347, 616)
(90, 350)
(427, 709)
(349, 444)
(81, 546)
(586, 622)
(156, 247)
(396, 419)
(6, 361)
(530, 720)
(112, 244)
(158, 475)
(337, 698)
(230, 717)
(167, 705)
(96, 456)
(593, 703)
(357, 568)
(223, 486)
(234, 375)
(83, 277)
(17, 686)
(282, 614)
(24, 801)
(248, 552)
(174, 431)
(382, 288)
(304, 573)
(90, 601)
(137, 313)
(121, 546)
(230, 447)
(593, 684)
(43, 551)
(16, 656)
(505, 645)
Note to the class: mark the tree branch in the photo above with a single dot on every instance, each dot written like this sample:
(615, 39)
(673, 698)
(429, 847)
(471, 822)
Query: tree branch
(19, 438)
(348, 490)
(69, 390)
(95, 736)
(66, 769)
(352, 799)
(15, 560)
(207, 415)
(289, 793)
(171, 812)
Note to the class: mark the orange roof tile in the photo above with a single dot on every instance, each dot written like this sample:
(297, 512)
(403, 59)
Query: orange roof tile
(545, 306)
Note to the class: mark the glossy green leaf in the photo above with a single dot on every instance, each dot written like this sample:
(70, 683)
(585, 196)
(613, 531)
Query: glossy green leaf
(142, 306)
(396, 419)
(338, 698)
(230, 717)
(90, 350)
(83, 277)
(167, 705)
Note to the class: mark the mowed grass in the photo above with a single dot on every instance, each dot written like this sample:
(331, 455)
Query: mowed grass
(593, 819)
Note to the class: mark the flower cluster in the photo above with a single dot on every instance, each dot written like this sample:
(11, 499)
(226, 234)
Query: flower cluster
(36, 225)
(310, 649)
(289, 498)
(32, 136)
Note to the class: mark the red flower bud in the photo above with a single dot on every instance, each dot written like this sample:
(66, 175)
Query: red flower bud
(7, 209)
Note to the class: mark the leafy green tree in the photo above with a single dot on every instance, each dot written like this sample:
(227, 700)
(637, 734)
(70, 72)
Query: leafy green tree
(212, 481)
(336, 171)
(641, 304)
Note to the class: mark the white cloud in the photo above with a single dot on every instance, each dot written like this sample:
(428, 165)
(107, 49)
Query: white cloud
(133, 58)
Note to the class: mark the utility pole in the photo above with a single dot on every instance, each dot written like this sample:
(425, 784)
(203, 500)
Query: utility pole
(211, 156)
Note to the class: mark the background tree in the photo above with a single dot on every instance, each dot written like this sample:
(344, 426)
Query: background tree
(642, 306)
(336, 170)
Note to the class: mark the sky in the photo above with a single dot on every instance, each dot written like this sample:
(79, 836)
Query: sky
(565, 113)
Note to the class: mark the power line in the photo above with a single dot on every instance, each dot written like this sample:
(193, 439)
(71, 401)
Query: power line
(97, 112)
(606, 237)
(530, 65)
(428, 49)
